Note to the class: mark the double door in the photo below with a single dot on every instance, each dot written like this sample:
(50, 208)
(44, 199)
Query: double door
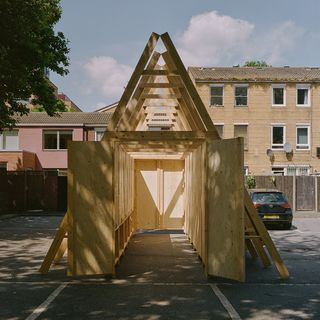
(159, 186)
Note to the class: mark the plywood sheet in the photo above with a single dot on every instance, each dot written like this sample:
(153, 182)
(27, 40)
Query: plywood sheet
(90, 208)
(146, 199)
(225, 210)
(173, 189)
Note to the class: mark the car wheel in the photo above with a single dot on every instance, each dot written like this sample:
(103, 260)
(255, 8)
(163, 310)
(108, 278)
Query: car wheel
(287, 226)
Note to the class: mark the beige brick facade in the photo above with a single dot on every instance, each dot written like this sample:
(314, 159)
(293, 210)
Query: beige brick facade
(259, 115)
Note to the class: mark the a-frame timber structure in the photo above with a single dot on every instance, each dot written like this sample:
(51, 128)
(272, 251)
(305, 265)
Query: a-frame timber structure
(160, 123)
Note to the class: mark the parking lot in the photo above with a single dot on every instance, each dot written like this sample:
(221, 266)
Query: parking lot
(160, 277)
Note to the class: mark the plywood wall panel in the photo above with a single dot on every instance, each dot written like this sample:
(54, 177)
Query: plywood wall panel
(90, 208)
(225, 211)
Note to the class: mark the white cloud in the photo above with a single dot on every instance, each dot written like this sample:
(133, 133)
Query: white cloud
(275, 44)
(108, 75)
(213, 39)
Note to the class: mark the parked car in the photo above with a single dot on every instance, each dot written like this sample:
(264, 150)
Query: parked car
(273, 207)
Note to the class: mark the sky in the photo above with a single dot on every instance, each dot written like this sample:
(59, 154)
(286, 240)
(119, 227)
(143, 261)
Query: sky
(106, 38)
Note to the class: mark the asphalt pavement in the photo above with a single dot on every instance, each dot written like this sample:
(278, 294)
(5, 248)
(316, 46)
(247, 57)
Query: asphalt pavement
(159, 277)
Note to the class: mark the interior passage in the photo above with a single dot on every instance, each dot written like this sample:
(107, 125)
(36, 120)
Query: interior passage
(161, 256)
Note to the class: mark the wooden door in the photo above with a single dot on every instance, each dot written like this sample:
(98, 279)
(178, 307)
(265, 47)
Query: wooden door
(147, 194)
(172, 212)
(159, 194)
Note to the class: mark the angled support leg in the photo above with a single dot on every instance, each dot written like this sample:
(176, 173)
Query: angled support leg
(54, 250)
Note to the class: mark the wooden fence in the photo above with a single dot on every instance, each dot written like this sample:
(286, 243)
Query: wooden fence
(303, 192)
(32, 190)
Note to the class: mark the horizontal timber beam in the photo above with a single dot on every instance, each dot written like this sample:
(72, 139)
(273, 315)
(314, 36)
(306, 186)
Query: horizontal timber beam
(160, 73)
(164, 85)
(158, 135)
(161, 96)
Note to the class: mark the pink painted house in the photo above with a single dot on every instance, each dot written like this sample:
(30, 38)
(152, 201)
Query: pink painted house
(39, 142)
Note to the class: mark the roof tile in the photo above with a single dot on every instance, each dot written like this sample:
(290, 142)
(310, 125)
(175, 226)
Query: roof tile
(65, 118)
(301, 74)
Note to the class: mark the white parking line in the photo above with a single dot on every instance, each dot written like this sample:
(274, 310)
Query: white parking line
(225, 302)
(316, 232)
(44, 305)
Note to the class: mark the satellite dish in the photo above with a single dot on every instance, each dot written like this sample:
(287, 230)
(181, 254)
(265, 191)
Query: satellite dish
(269, 153)
(287, 147)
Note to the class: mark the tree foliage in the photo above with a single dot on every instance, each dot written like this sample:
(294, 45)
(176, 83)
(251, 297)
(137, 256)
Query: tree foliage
(28, 46)
(256, 63)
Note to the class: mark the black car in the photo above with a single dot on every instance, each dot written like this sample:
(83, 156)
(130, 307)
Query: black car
(273, 207)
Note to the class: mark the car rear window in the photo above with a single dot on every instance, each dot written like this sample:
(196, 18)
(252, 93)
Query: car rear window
(267, 197)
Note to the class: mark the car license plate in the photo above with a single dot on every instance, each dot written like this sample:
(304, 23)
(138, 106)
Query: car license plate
(274, 216)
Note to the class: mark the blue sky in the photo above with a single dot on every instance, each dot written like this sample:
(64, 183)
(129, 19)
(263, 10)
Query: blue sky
(107, 37)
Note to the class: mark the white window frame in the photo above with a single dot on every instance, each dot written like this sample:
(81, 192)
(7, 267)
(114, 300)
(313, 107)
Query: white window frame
(303, 126)
(303, 86)
(279, 86)
(217, 86)
(220, 124)
(299, 166)
(246, 148)
(98, 130)
(58, 139)
(277, 168)
(271, 136)
(241, 85)
(3, 143)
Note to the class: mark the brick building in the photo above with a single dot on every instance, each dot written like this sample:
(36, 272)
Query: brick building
(276, 110)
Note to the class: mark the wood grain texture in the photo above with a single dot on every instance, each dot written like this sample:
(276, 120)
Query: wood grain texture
(225, 187)
(90, 191)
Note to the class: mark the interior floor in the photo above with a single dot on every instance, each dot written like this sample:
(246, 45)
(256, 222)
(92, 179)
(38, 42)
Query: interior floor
(161, 256)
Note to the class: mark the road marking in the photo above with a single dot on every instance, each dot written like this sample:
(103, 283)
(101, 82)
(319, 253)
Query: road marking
(312, 232)
(225, 302)
(44, 305)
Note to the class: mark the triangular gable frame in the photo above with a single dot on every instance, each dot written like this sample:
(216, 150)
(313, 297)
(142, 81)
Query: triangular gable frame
(179, 83)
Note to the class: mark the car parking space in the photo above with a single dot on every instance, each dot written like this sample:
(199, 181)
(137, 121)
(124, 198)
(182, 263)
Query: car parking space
(160, 277)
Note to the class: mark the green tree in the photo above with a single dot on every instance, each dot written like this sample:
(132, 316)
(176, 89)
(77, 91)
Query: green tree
(60, 107)
(256, 63)
(29, 46)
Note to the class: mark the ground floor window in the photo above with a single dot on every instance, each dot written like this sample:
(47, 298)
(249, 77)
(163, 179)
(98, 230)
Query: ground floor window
(298, 171)
(278, 171)
(291, 170)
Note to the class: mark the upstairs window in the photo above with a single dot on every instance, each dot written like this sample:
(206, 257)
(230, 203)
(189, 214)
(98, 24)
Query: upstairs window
(241, 95)
(56, 140)
(303, 137)
(277, 136)
(216, 92)
(99, 134)
(9, 140)
(278, 95)
(303, 95)
(241, 130)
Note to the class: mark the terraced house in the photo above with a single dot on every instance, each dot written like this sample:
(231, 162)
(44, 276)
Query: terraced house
(276, 110)
(39, 142)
